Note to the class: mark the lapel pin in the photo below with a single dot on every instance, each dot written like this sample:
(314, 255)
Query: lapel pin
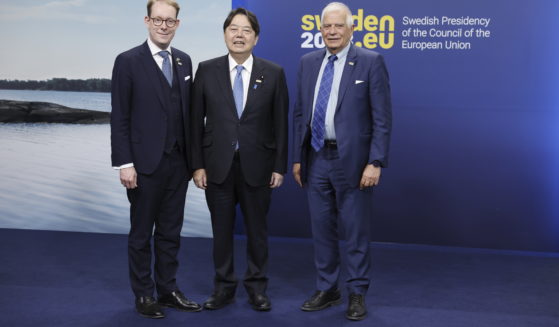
(178, 61)
(258, 81)
(350, 63)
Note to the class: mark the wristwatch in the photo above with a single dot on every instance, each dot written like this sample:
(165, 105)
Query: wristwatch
(376, 163)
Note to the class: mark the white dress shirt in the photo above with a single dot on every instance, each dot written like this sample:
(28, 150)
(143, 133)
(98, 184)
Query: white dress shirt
(245, 74)
(154, 49)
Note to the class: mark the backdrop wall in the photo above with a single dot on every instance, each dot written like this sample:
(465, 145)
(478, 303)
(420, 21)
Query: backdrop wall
(474, 157)
(59, 176)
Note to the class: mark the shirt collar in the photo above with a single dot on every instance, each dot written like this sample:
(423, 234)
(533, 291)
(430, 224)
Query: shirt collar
(154, 49)
(247, 64)
(342, 54)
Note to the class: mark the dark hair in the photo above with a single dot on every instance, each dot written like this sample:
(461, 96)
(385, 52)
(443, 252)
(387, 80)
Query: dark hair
(242, 11)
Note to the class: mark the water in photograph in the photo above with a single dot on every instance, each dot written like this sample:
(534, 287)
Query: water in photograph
(59, 176)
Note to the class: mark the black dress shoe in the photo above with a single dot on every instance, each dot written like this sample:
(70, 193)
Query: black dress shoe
(148, 307)
(356, 308)
(218, 300)
(177, 300)
(322, 300)
(260, 302)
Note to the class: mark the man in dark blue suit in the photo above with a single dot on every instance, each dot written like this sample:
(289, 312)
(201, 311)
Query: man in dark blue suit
(149, 140)
(342, 123)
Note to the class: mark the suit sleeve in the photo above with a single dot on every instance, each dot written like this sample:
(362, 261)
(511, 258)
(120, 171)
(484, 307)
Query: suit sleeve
(121, 93)
(381, 112)
(281, 110)
(298, 126)
(197, 115)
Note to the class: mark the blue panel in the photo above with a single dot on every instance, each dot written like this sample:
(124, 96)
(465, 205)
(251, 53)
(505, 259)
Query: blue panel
(475, 155)
(239, 3)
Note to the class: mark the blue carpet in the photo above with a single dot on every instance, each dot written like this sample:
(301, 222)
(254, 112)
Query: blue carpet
(80, 279)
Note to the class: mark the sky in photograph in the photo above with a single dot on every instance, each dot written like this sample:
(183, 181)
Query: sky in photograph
(81, 38)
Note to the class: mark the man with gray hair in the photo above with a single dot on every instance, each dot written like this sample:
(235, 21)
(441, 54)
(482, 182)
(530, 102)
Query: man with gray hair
(342, 125)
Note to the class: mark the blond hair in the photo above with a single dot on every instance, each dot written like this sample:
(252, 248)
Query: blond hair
(172, 3)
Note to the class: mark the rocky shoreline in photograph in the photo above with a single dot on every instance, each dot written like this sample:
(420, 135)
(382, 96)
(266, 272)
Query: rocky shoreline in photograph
(12, 111)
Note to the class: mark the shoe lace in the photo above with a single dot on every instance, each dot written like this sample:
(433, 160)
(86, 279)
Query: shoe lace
(315, 296)
(355, 299)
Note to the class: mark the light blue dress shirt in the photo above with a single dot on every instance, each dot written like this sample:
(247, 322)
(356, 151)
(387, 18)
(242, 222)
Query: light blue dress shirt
(330, 132)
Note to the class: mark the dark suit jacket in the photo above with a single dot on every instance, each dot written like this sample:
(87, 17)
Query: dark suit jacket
(363, 115)
(138, 117)
(261, 130)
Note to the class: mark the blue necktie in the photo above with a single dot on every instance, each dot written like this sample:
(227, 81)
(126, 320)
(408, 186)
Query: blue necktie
(318, 128)
(238, 90)
(166, 68)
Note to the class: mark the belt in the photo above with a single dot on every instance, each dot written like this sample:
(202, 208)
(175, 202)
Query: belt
(330, 144)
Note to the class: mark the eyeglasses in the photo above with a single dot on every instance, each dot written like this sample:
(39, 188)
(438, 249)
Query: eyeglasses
(170, 22)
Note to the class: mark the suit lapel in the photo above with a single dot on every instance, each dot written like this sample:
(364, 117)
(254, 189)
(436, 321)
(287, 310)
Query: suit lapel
(350, 63)
(151, 69)
(224, 81)
(256, 80)
(313, 80)
(181, 72)
(179, 68)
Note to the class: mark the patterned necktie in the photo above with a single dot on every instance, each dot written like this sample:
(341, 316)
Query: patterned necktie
(318, 127)
(238, 90)
(166, 68)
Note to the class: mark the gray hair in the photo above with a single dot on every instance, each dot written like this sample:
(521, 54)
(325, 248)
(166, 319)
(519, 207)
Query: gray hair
(338, 6)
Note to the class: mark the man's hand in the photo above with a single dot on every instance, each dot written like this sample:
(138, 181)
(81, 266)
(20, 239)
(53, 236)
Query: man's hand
(370, 177)
(297, 173)
(200, 178)
(128, 177)
(276, 180)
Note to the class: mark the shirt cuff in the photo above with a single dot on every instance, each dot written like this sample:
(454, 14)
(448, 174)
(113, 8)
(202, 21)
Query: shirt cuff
(128, 165)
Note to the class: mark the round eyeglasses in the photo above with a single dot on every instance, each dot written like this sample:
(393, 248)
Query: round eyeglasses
(170, 22)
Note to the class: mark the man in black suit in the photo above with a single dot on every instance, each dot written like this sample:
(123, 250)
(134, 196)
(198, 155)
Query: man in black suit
(150, 97)
(239, 142)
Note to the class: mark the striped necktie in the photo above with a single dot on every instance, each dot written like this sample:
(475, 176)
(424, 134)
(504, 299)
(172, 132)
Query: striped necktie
(318, 127)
